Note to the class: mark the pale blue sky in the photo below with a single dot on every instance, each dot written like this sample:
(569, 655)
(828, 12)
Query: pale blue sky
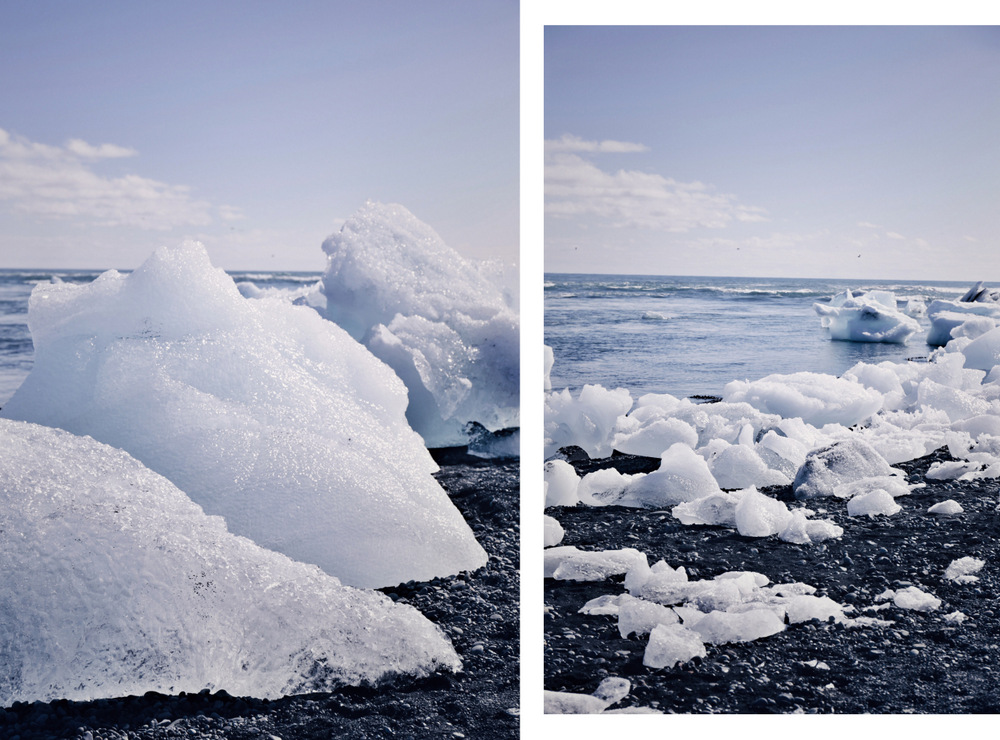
(779, 151)
(254, 126)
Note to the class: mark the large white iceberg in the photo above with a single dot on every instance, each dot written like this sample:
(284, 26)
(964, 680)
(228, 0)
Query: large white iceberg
(262, 412)
(948, 315)
(447, 326)
(116, 583)
(872, 316)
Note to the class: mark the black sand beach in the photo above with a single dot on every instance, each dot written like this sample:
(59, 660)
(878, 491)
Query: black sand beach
(478, 611)
(919, 664)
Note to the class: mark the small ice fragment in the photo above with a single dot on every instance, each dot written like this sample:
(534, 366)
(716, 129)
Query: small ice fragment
(611, 690)
(913, 598)
(953, 470)
(567, 702)
(804, 608)
(561, 483)
(819, 665)
(606, 604)
(946, 507)
(595, 565)
(758, 515)
(640, 616)
(956, 617)
(873, 503)
(553, 532)
(670, 644)
(719, 627)
(962, 570)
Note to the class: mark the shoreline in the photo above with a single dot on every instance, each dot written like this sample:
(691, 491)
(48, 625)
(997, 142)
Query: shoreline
(920, 663)
(478, 611)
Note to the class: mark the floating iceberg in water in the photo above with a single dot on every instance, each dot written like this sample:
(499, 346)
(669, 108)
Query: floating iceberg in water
(440, 321)
(262, 412)
(116, 583)
(866, 317)
(946, 316)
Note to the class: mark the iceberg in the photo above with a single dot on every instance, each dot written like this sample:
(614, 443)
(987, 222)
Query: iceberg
(866, 317)
(815, 398)
(947, 315)
(828, 468)
(261, 411)
(116, 583)
(439, 320)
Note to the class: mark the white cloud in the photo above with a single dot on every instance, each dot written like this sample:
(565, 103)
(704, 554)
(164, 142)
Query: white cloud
(56, 182)
(894, 235)
(570, 143)
(105, 151)
(230, 213)
(868, 225)
(576, 187)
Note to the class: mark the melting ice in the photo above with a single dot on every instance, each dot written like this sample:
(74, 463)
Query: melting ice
(447, 326)
(261, 411)
(116, 583)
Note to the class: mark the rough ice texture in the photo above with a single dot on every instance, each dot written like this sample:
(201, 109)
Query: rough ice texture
(553, 532)
(116, 583)
(439, 320)
(683, 475)
(670, 644)
(946, 508)
(866, 317)
(718, 627)
(829, 467)
(583, 565)
(872, 504)
(652, 439)
(983, 353)
(946, 315)
(638, 616)
(804, 607)
(758, 515)
(739, 466)
(610, 691)
(587, 421)
(261, 411)
(963, 569)
(561, 483)
(815, 398)
(913, 598)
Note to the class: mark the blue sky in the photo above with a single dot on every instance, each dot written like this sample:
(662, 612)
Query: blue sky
(854, 152)
(257, 127)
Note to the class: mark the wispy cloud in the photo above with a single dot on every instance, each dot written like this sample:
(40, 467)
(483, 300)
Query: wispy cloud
(575, 186)
(105, 151)
(570, 143)
(60, 182)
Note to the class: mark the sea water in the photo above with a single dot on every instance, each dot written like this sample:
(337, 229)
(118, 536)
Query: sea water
(689, 336)
(16, 351)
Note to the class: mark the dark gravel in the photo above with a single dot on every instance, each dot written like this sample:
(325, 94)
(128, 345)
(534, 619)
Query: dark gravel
(919, 664)
(478, 611)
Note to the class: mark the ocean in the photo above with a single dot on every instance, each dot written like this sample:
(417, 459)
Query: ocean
(690, 336)
(16, 350)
